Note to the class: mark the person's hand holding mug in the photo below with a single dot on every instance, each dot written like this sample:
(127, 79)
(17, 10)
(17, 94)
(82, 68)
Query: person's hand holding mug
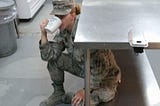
(43, 24)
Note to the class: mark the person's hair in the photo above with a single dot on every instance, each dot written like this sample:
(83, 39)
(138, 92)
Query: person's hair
(76, 9)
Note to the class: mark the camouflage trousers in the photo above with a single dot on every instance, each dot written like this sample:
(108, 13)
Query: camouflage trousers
(66, 63)
(101, 95)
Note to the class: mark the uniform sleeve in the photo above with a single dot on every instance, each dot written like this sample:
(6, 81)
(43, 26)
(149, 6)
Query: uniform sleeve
(51, 50)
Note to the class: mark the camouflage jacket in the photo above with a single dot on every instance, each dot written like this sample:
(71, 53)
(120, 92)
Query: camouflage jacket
(64, 40)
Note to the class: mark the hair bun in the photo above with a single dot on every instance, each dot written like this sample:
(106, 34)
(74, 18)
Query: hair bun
(77, 8)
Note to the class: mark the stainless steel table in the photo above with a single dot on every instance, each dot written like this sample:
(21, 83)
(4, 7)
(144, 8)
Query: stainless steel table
(105, 24)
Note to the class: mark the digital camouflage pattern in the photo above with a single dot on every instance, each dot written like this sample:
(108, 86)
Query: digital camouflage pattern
(60, 61)
(104, 70)
(105, 73)
(105, 76)
(62, 7)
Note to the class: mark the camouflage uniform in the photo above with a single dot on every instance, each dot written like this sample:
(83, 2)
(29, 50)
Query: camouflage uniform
(105, 76)
(105, 73)
(59, 61)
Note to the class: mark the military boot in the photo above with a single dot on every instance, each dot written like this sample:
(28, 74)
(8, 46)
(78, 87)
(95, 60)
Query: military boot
(67, 98)
(55, 98)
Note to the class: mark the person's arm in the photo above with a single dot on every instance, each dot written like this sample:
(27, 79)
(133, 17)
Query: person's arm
(44, 38)
(49, 50)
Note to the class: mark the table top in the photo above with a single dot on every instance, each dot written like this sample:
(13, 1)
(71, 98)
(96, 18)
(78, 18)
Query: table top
(106, 23)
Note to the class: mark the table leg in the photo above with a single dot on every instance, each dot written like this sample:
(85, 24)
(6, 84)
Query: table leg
(87, 78)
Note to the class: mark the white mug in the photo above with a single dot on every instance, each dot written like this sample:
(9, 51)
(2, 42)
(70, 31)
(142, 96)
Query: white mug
(53, 24)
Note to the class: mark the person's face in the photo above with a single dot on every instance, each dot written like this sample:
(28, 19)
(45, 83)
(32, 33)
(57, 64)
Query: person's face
(67, 20)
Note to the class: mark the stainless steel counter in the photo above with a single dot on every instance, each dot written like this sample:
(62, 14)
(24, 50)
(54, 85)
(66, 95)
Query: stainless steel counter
(105, 24)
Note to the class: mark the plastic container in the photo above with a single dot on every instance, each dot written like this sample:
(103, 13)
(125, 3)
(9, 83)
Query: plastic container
(8, 44)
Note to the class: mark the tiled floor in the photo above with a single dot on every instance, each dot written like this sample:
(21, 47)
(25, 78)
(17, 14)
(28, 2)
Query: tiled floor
(24, 79)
